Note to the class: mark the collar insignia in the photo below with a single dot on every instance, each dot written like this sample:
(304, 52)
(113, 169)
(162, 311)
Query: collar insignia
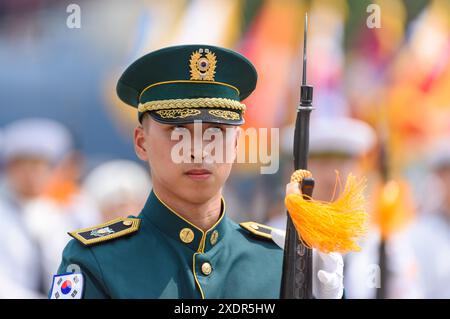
(113, 229)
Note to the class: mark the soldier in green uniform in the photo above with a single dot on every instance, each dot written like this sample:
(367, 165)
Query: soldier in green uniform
(182, 244)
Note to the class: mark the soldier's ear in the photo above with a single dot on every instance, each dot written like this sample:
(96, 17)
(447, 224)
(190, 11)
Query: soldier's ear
(139, 143)
(238, 135)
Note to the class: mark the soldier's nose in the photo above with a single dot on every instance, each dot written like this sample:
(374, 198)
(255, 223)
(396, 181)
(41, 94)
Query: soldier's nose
(199, 156)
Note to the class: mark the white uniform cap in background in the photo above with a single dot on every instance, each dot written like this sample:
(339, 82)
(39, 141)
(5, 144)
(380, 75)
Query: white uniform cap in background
(334, 135)
(117, 181)
(39, 137)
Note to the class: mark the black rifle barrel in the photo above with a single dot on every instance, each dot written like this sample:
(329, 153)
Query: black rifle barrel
(296, 282)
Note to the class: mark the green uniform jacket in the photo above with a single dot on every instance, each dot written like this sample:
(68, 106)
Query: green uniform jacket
(168, 257)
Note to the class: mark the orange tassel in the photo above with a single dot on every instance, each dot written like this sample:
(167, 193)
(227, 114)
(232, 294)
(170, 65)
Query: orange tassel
(330, 227)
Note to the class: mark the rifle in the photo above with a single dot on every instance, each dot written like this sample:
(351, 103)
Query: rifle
(296, 282)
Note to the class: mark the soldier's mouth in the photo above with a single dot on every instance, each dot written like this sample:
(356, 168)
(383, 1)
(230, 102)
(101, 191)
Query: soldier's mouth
(198, 174)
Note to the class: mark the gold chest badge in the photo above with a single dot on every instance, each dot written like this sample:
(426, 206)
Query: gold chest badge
(202, 65)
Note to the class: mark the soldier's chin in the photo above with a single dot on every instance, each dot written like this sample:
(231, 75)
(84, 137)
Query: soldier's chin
(201, 195)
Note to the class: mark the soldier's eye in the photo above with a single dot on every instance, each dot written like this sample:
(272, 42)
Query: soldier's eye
(215, 129)
(178, 129)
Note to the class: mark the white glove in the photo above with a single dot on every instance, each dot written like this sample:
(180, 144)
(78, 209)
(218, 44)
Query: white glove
(328, 282)
(328, 270)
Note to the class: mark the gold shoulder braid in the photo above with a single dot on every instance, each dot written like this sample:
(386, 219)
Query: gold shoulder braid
(116, 228)
(258, 230)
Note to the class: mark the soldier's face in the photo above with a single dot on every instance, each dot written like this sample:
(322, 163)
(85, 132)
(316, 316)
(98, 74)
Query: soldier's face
(28, 176)
(324, 172)
(183, 162)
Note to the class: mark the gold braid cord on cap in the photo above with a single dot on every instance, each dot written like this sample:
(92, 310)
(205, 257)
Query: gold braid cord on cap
(215, 102)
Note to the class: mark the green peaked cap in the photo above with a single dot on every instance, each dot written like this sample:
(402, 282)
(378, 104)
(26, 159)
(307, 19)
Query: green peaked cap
(182, 84)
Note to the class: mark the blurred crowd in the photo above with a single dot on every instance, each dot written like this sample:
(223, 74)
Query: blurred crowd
(382, 98)
(45, 192)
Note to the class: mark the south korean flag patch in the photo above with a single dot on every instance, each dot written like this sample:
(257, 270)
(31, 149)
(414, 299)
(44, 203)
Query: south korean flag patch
(67, 286)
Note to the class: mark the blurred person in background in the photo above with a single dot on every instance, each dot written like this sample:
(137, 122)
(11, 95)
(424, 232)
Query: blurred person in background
(118, 188)
(49, 215)
(31, 150)
(62, 206)
(344, 145)
(431, 232)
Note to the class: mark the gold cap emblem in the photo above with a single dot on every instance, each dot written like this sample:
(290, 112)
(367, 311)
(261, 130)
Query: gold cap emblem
(203, 65)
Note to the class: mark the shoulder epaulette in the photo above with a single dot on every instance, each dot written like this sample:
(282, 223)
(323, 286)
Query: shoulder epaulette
(258, 230)
(113, 229)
